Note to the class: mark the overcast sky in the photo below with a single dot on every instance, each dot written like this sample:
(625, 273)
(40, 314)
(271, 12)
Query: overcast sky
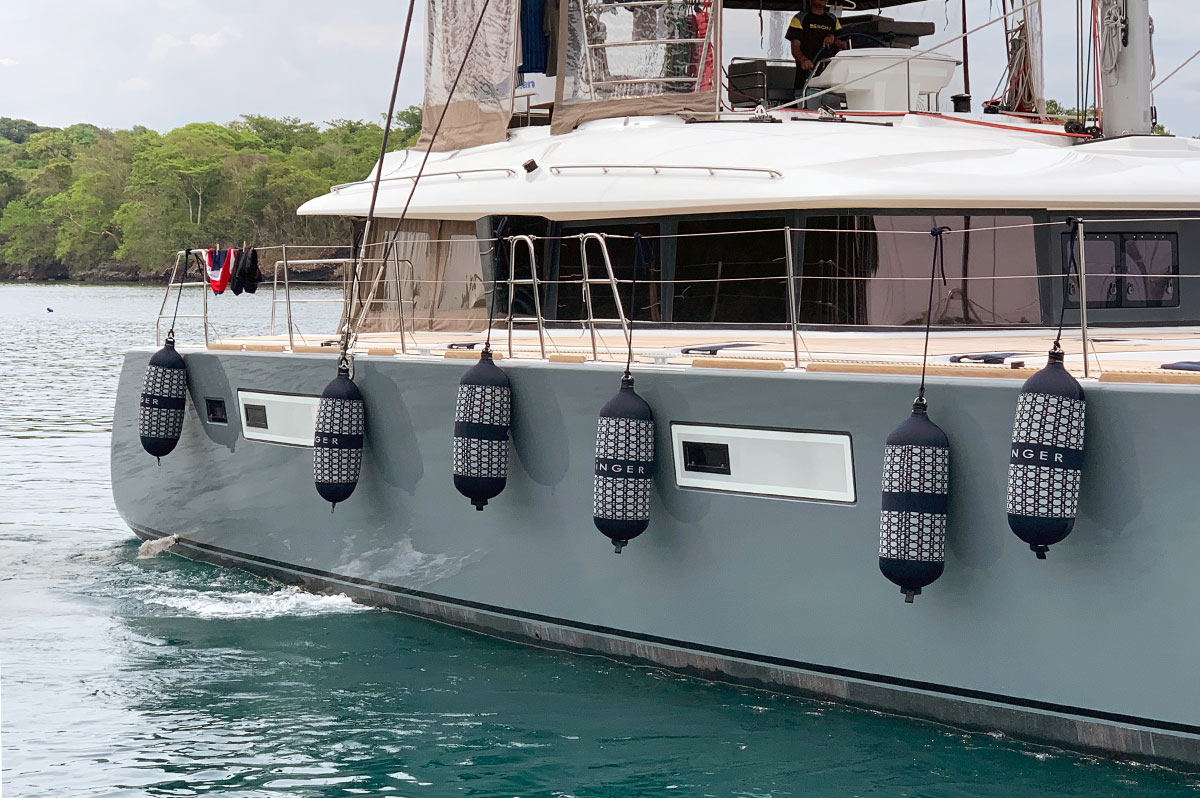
(163, 63)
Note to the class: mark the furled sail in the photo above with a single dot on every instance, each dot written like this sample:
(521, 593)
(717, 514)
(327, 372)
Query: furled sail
(634, 58)
(481, 107)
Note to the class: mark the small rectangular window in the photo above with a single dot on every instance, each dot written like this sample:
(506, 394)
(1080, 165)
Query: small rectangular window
(215, 409)
(1125, 270)
(1151, 271)
(706, 458)
(256, 416)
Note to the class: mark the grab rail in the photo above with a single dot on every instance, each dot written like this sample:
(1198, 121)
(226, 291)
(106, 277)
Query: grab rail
(533, 281)
(587, 288)
(771, 174)
(457, 174)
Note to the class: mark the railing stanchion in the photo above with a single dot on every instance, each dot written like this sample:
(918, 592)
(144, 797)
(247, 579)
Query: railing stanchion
(1083, 328)
(274, 294)
(587, 287)
(791, 296)
(587, 293)
(287, 297)
(205, 289)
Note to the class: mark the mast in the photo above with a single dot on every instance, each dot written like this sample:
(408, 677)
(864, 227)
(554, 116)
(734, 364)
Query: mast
(966, 53)
(1125, 66)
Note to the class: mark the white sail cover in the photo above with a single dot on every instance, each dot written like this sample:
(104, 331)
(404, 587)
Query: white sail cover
(481, 107)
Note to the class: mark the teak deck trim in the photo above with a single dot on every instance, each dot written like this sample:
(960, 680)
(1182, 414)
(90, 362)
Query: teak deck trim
(910, 369)
(738, 363)
(1156, 376)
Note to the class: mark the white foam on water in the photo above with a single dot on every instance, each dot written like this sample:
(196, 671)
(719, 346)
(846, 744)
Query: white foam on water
(287, 601)
(153, 548)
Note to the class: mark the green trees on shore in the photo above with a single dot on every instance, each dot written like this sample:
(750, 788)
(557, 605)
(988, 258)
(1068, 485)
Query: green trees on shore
(74, 198)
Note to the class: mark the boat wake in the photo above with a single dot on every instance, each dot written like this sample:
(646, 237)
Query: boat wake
(286, 601)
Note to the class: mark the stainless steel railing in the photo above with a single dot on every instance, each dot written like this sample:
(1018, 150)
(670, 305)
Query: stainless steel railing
(400, 273)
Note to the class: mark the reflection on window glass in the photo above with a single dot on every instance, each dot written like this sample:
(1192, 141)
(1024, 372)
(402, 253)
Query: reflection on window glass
(639, 49)
(1126, 270)
(1100, 255)
(875, 270)
(462, 279)
(624, 259)
(739, 277)
(1151, 270)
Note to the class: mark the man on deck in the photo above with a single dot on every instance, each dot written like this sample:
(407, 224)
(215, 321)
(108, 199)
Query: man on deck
(810, 32)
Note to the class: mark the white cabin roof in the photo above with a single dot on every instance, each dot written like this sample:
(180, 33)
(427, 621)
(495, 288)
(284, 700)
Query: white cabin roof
(640, 166)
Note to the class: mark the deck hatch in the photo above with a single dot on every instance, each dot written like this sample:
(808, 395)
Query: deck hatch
(775, 463)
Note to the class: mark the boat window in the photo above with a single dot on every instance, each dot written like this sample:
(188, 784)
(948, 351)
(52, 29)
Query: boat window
(462, 281)
(1126, 270)
(621, 252)
(539, 229)
(1151, 271)
(875, 270)
(739, 277)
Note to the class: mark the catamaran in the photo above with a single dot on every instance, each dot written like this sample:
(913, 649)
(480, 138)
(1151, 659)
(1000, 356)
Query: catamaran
(630, 293)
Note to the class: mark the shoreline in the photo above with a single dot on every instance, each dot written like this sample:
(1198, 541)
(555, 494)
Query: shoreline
(120, 275)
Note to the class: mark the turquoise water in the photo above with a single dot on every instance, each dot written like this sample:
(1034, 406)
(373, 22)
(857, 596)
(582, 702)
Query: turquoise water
(163, 677)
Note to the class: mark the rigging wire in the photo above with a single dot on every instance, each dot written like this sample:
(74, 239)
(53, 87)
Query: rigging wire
(348, 332)
(432, 139)
(1176, 70)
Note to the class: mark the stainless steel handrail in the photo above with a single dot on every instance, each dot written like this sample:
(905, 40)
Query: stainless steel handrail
(635, 81)
(791, 295)
(1083, 328)
(458, 174)
(771, 174)
(533, 281)
(587, 287)
(644, 42)
(181, 257)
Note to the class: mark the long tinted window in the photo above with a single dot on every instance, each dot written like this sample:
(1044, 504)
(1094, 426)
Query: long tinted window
(875, 270)
(734, 276)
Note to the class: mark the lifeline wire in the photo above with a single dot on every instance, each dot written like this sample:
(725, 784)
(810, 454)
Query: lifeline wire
(387, 129)
(939, 260)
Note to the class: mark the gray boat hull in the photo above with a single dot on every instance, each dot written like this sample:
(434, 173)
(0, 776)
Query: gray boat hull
(1095, 648)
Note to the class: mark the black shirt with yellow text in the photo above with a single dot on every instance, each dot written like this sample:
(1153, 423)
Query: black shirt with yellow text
(810, 30)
